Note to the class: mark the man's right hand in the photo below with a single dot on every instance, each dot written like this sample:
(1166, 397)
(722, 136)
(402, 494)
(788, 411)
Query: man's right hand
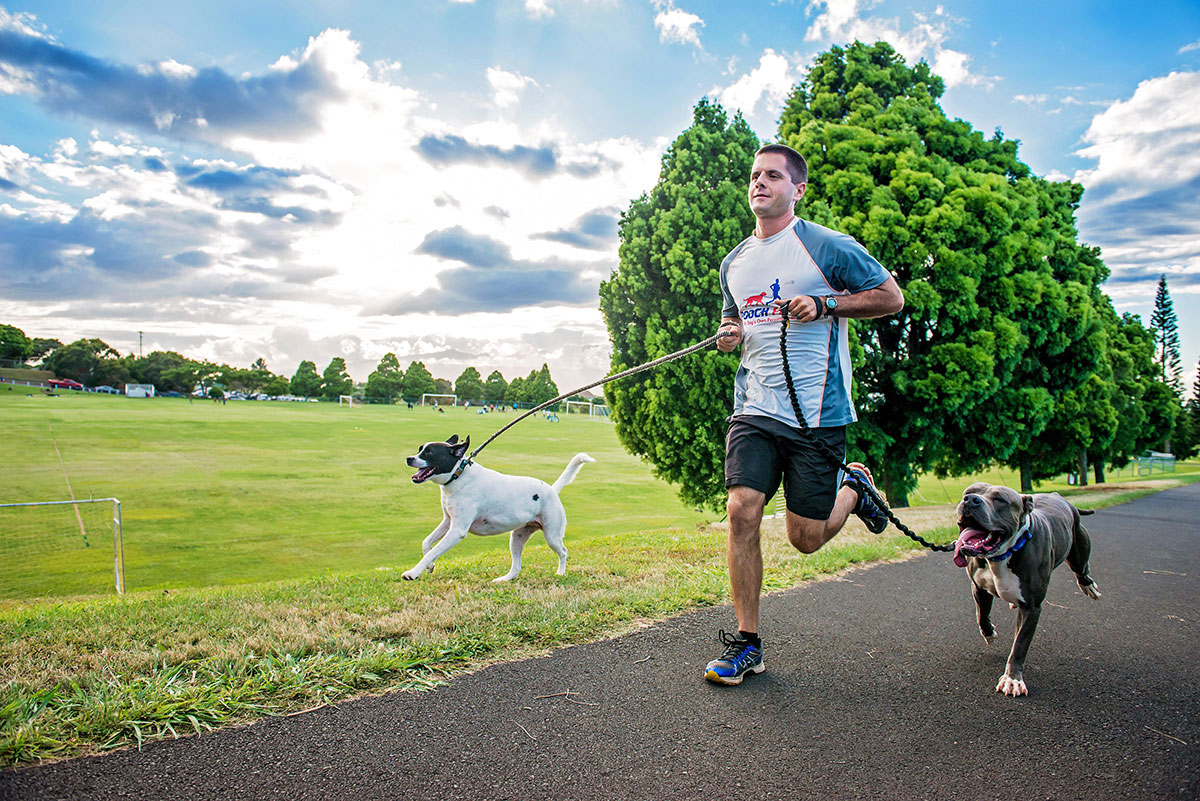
(727, 343)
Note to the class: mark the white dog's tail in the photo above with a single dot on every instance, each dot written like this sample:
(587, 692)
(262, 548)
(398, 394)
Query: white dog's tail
(572, 470)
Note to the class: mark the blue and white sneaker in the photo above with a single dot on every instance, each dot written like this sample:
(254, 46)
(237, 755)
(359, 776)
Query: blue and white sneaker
(740, 657)
(865, 509)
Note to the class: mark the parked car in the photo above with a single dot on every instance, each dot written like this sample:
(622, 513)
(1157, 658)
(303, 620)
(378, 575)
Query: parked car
(170, 393)
(105, 389)
(64, 383)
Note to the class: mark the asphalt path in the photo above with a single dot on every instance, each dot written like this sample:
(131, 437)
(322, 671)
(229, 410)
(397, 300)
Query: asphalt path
(877, 686)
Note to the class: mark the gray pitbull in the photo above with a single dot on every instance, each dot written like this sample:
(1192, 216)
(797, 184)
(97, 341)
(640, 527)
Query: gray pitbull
(1010, 543)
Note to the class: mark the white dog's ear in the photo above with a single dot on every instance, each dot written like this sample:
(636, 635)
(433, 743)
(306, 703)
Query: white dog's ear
(462, 448)
(453, 439)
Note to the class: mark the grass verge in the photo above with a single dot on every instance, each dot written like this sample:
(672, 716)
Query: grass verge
(93, 674)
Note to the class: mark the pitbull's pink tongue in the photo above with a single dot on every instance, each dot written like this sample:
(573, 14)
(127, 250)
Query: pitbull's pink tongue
(967, 538)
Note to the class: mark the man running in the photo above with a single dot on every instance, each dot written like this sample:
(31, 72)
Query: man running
(823, 278)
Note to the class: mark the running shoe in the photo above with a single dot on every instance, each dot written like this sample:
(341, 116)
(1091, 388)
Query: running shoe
(865, 509)
(740, 657)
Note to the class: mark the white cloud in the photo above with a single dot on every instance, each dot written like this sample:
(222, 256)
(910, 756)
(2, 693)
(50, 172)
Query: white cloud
(843, 21)
(507, 86)
(1032, 100)
(767, 84)
(676, 26)
(1142, 199)
(1187, 48)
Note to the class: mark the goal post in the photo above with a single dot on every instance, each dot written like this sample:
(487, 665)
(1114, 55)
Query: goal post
(434, 397)
(49, 547)
(579, 407)
(600, 412)
(346, 400)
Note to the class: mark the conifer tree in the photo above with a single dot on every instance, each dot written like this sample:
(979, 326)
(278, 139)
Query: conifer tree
(1166, 328)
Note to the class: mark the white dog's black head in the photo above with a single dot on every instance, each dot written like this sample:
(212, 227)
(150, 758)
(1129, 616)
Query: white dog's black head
(437, 460)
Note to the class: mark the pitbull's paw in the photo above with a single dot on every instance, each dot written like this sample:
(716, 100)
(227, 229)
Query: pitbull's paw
(1091, 591)
(1011, 686)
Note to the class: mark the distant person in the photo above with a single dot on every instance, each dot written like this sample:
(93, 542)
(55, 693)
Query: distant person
(822, 279)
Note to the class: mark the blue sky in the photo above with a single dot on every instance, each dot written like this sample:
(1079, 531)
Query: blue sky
(442, 179)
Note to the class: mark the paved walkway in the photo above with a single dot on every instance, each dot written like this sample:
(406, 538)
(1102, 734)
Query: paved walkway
(878, 686)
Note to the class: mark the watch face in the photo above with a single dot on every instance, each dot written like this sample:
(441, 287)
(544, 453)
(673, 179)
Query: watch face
(831, 303)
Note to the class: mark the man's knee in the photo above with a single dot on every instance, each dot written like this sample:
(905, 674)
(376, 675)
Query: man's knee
(806, 535)
(745, 508)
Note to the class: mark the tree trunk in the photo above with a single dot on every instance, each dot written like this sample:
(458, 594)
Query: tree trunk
(896, 497)
(1082, 467)
(1026, 476)
(1098, 468)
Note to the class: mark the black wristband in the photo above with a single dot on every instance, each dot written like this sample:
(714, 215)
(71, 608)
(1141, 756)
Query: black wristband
(820, 306)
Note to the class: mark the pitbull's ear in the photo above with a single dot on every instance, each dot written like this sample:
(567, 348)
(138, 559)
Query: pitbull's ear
(1028, 499)
(453, 439)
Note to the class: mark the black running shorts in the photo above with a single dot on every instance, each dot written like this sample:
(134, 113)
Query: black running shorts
(759, 450)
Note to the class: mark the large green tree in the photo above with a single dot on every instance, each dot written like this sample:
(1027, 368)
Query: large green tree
(998, 291)
(14, 344)
(417, 381)
(665, 295)
(335, 381)
(92, 362)
(469, 386)
(495, 387)
(306, 382)
(383, 384)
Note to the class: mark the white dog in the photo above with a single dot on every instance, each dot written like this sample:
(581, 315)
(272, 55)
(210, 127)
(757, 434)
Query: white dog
(482, 501)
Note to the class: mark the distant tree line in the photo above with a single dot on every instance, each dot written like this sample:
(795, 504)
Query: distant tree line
(93, 363)
(1007, 351)
(389, 383)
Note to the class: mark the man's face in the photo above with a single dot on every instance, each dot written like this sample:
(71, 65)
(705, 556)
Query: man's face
(772, 193)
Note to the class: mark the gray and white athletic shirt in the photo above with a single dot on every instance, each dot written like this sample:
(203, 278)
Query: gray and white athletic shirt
(802, 259)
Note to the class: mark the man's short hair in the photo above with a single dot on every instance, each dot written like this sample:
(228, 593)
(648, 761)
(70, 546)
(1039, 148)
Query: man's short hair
(797, 166)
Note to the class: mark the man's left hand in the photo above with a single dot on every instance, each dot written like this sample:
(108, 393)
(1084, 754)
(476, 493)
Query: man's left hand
(801, 308)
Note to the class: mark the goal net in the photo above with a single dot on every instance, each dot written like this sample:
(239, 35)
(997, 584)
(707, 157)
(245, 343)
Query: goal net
(579, 407)
(346, 400)
(439, 400)
(61, 548)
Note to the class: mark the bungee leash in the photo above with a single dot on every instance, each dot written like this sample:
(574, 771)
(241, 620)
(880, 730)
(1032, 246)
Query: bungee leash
(624, 374)
(832, 455)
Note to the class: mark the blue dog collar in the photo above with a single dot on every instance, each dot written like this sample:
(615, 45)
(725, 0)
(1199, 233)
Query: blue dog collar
(1023, 536)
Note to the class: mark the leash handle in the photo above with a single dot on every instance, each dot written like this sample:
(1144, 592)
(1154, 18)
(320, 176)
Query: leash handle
(624, 374)
(833, 457)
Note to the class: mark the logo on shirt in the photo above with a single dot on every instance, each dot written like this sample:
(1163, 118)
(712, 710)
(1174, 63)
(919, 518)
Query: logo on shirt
(757, 308)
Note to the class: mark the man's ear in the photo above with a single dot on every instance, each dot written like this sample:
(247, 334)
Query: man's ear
(1028, 499)
(453, 439)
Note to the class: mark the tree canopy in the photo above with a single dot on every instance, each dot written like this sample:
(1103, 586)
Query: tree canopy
(665, 295)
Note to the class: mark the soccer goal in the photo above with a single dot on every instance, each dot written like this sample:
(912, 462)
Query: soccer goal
(434, 399)
(600, 412)
(346, 400)
(58, 547)
(579, 407)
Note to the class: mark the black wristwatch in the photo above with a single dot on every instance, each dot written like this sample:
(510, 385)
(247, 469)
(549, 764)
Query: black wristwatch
(825, 305)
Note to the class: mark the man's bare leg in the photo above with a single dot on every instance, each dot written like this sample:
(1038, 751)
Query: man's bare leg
(745, 507)
(808, 535)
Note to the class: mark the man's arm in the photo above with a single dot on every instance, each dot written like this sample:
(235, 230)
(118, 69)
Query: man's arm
(881, 301)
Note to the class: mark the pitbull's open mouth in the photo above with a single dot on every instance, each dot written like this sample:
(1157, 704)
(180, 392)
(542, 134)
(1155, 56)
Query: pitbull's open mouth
(974, 542)
(422, 474)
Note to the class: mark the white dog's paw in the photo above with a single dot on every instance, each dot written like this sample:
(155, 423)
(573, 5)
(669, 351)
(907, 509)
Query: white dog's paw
(505, 577)
(1091, 591)
(409, 575)
(1011, 686)
(988, 638)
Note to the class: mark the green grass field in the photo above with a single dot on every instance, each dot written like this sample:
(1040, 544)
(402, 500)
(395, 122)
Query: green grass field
(213, 495)
(249, 491)
(264, 544)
